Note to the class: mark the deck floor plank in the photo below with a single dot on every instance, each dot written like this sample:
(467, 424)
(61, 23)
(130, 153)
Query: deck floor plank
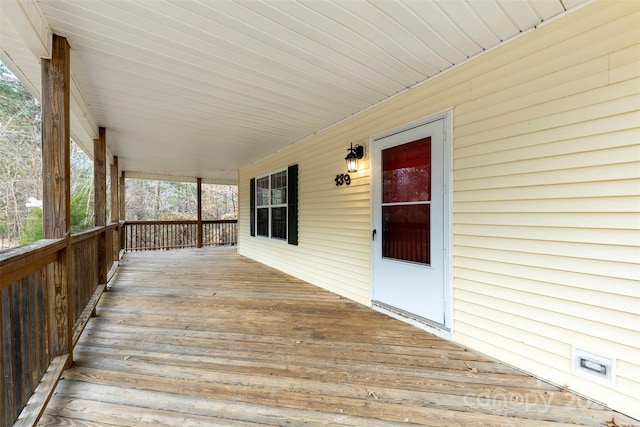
(204, 337)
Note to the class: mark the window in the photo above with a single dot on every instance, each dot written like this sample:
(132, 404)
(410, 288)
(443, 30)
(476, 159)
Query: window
(273, 203)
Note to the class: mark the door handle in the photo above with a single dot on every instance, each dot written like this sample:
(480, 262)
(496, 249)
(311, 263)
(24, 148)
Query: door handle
(373, 234)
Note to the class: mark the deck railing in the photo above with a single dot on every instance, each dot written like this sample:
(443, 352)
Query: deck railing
(155, 235)
(48, 291)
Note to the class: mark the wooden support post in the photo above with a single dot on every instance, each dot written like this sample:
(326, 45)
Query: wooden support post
(114, 175)
(100, 177)
(121, 202)
(121, 188)
(100, 197)
(56, 211)
(199, 212)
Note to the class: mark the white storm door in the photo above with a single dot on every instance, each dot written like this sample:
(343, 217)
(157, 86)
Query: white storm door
(409, 213)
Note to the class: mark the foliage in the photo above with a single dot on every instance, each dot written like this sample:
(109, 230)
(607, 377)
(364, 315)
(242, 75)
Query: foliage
(82, 210)
(82, 196)
(21, 178)
(32, 230)
(81, 205)
(146, 200)
(20, 162)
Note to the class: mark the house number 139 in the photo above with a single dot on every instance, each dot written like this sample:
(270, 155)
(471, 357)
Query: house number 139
(343, 179)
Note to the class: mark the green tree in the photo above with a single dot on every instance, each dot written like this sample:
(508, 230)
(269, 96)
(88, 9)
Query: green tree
(20, 159)
(32, 230)
(82, 211)
(21, 168)
(21, 178)
(163, 200)
(81, 201)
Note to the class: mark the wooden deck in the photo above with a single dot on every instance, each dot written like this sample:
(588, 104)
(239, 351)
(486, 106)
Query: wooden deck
(200, 337)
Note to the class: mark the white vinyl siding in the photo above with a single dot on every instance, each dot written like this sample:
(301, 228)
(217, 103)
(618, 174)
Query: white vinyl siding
(333, 230)
(546, 198)
(547, 202)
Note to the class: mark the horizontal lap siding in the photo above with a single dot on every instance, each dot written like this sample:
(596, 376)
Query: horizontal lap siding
(547, 201)
(546, 224)
(334, 250)
(333, 222)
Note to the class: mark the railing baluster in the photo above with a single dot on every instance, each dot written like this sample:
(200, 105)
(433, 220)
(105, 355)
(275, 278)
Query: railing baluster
(31, 342)
(40, 308)
(9, 398)
(18, 339)
(154, 235)
(5, 410)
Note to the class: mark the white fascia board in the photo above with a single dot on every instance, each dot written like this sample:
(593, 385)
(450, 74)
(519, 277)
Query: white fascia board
(84, 128)
(29, 22)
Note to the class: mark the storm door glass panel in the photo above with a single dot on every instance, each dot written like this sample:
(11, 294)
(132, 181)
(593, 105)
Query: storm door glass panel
(405, 232)
(406, 172)
(406, 202)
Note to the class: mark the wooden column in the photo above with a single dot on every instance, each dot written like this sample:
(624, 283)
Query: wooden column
(114, 175)
(56, 205)
(199, 212)
(121, 188)
(100, 177)
(121, 201)
(56, 216)
(100, 199)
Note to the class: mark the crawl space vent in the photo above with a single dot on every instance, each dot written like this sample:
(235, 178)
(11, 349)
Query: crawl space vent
(594, 366)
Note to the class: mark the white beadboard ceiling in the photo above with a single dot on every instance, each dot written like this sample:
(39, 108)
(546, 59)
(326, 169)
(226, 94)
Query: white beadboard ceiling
(201, 88)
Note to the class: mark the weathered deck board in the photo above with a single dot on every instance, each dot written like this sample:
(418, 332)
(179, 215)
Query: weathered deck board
(205, 337)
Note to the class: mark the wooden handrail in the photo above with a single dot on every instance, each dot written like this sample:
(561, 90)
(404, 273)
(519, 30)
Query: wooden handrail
(27, 258)
(186, 221)
(91, 232)
(173, 234)
(29, 313)
(28, 365)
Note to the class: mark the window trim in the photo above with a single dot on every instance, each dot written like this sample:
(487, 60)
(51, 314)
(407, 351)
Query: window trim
(270, 206)
(292, 205)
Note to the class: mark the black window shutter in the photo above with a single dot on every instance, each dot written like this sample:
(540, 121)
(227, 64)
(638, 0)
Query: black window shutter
(292, 219)
(252, 203)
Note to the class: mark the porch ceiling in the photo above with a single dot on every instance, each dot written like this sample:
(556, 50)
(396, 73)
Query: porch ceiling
(195, 88)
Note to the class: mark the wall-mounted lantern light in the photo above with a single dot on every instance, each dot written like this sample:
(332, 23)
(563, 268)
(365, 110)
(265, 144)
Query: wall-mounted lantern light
(355, 153)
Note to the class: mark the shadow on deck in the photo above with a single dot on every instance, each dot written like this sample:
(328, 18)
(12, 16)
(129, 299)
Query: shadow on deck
(206, 337)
